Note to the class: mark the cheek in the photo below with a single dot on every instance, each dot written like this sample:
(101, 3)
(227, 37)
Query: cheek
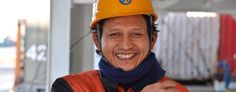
(144, 44)
(107, 46)
(107, 50)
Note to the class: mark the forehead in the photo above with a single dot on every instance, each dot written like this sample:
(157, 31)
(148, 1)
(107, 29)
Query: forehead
(125, 21)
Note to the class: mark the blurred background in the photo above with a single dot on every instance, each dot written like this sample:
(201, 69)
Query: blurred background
(41, 40)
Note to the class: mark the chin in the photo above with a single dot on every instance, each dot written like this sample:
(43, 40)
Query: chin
(128, 68)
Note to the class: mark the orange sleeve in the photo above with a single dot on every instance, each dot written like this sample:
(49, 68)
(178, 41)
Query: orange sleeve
(179, 86)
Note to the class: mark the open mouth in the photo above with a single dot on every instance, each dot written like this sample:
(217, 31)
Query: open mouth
(125, 56)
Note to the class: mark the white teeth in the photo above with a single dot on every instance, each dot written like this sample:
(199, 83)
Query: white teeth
(125, 56)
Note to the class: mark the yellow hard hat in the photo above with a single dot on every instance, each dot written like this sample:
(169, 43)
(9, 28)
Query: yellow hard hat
(103, 9)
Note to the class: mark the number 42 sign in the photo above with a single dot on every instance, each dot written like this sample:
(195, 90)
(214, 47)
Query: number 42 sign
(37, 52)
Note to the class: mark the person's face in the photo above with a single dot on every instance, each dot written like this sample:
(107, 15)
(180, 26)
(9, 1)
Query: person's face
(125, 41)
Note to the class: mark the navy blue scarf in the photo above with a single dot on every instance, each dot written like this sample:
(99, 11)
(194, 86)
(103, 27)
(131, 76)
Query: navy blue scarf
(149, 71)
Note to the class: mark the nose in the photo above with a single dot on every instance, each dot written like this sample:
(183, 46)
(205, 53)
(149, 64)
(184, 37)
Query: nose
(126, 42)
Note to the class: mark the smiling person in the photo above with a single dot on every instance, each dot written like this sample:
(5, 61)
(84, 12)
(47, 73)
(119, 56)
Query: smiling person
(124, 34)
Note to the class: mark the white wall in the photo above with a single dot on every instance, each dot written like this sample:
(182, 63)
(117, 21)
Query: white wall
(82, 53)
(83, 1)
(59, 40)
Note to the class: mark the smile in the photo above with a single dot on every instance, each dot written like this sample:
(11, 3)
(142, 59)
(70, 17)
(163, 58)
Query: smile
(125, 56)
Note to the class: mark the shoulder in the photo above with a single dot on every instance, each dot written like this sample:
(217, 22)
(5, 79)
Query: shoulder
(60, 85)
(179, 86)
(82, 82)
(93, 74)
(86, 81)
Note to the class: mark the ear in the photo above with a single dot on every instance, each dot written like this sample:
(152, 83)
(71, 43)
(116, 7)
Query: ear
(154, 39)
(96, 40)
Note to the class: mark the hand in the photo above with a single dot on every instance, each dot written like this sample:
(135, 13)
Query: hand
(165, 86)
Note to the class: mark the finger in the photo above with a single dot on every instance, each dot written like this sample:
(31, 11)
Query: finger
(171, 90)
(168, 90)
(168, 84)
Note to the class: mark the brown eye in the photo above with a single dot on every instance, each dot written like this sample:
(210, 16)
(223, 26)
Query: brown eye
(114, 35)
(137, 35)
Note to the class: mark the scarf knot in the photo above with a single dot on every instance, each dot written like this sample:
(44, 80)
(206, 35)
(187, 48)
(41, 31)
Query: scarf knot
(149, 71)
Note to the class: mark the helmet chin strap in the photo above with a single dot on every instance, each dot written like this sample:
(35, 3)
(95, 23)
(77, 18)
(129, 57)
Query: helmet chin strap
(99, 32)
(149, 21)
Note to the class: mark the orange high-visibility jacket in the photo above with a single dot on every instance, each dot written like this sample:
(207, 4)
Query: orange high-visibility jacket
(90, 82)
